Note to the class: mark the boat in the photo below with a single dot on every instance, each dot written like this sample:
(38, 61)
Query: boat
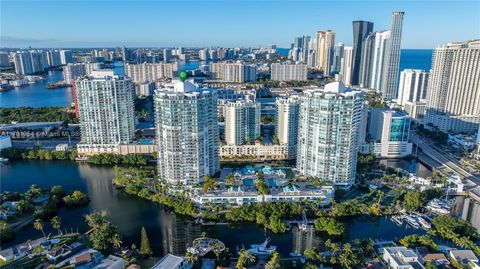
(3, 160)
(398, 219)
(439, 206)
(412, 222)
(263, 249)
(295, 255)
(425, 224)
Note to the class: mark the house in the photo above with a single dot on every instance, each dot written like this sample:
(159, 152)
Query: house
(169, 261)
(464, 257)
(111, 262)
(21, 250)
(86, 259)
(401, 258)
(58, 253)
(435, 258)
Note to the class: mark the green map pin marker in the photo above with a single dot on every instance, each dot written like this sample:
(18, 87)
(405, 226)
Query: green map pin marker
(183, 76)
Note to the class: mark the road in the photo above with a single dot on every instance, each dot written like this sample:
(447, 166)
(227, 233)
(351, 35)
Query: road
(441, 157)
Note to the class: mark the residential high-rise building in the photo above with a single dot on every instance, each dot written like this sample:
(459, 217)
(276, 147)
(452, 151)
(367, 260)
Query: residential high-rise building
(167, 55)
(23, 63)
(392, 58)
(382, 39)
(54, 58)
(366, 63)
(66, 57)
(186, 125)
(30, 62)
(74, 71)
(346, 66)
(337, 57)
(453, 95)
(202, 55)
(328, 133)
(286, 127)
(242, 122)
(361, 29)
(413, 86)
(105, 106)
(140, 73)
(288, 72)
(4, 62)
(233, 72)
(389, 129)
(125, 54)
(324, 51)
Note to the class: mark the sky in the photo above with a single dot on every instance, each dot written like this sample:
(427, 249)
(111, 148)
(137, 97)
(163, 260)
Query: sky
(228, 23)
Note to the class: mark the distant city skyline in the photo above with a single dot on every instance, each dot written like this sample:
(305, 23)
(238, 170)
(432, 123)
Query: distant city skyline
(427, 25)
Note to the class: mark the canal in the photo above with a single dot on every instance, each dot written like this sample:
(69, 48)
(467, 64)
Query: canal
(168, 232)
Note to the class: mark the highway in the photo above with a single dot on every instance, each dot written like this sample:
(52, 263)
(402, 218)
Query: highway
(439, 156)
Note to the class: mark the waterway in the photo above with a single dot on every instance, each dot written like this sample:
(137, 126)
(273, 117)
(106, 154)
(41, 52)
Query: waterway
(168, 233)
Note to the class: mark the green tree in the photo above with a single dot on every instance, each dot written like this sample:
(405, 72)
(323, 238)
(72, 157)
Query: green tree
(430, 265)
(76, 198)
(96, 219)
(38, 225)
(191, 258)
(275, 262)
(104, 235)
(416, 240)
(209, 183)
(413, 200)
(348, 259)
(145, 248)
(6, 233)
(56, 223)
(230, 179)
(245, 257)
(329, 225)
(57, 193)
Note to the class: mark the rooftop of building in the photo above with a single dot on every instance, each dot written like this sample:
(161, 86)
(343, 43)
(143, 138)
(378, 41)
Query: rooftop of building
(333, 89)
(169, 261)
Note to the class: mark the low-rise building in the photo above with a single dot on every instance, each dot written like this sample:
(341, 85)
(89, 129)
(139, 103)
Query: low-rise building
(248, 195)
(465, 257)
(170, 261)
(257, 152)
(401, 258)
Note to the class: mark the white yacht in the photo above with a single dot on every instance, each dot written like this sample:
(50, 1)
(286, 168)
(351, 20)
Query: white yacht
(263, 249)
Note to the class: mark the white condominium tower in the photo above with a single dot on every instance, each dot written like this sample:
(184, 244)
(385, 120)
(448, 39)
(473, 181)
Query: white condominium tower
(74, 71)
(392, 64)
(413, 86)
(286, 127)
(382, 39)
(328, 133)
(140, 73)
(233, 72)
(242, 122)
(324, 51)
(186, 125)
(288, 72)
(346, 66)
(105, 107)
(453, 95)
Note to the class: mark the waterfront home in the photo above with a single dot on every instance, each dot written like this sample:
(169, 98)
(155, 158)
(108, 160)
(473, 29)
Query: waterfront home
(86, 259)
(241, 195)
(170, 261)
(58, 253)
(465, 257)
(439, 259)
(401, 258)
(111, 262)
(20, 250)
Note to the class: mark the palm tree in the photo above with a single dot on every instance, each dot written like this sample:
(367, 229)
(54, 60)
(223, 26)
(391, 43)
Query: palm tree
(38, 225)
(116, 241)
(96, 219)
(56, 223)
(191, 258)
(244, 257)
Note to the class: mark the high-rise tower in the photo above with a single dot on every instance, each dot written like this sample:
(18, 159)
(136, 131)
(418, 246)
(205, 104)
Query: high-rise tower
(361, 30)
(391, 68)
